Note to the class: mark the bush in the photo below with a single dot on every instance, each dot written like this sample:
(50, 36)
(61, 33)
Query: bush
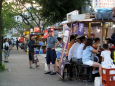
(2, 67)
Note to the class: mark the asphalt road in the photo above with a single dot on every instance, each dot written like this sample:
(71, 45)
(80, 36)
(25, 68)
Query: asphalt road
(19, 74)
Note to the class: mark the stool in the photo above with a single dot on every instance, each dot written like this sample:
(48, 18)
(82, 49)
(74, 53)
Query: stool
(73, 70)
(85, 72)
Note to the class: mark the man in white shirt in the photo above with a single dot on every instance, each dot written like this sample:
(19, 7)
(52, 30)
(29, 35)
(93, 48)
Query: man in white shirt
(80, 48)
(76, 50)
(73, 50)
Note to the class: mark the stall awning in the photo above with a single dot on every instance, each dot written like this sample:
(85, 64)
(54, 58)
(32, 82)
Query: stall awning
(35, 34)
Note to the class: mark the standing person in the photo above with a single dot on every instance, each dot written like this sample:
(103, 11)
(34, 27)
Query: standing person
(31, 44)
(59, 53)
(17, 43)
(51, 53)
(6, 50)
(10, 46)
(12, 40)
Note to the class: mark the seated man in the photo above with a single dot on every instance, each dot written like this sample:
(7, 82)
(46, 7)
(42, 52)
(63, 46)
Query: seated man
(72, 41)
(72, 56)
(76, 50)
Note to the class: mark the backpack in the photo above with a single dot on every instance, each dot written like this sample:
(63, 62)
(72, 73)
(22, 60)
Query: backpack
(6, 47)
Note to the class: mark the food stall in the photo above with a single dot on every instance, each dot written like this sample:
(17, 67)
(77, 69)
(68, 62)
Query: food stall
(84, 27)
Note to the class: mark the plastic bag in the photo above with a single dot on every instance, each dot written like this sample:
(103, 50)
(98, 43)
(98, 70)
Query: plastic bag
(46, 67)
(98, 81)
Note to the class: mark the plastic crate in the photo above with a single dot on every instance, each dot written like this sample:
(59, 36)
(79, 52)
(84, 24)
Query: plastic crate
(108, 78)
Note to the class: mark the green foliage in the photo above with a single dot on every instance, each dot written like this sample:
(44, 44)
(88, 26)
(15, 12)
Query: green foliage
(51, 11)
(2, 67)
(56, 10)
(8, 13)
(32, 19)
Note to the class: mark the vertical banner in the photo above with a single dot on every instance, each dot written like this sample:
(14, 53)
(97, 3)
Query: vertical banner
(75, 28)
(81, 29)
(89, 30)
(66, 35)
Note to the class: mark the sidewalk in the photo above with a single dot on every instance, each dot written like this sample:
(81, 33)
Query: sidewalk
(19, 74)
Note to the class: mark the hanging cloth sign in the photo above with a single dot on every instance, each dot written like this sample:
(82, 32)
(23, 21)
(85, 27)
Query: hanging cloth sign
(75, 28)
(81, 29)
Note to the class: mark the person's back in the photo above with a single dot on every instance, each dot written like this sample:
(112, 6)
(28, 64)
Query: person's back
(6, 51)
(80, 50)
(106, 55)
(6, 45)
(31, 45)
(87, 54)
(17, 42)
(59, 48)
(73, 51)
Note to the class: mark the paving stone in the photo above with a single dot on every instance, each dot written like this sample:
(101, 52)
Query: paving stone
(19, 74)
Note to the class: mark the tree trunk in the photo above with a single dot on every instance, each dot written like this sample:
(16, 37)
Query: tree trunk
(1, 31)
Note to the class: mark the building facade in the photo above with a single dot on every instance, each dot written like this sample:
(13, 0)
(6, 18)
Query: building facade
(96, 4)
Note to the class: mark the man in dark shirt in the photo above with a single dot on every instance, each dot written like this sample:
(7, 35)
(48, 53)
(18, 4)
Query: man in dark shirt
(17, 43)
(31, 50)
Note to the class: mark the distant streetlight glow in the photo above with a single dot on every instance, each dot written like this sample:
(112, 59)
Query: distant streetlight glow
(113, 26)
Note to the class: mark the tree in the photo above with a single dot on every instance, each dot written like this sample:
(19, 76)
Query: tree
(55, 10)
(18, 8)
(8, 13)
(7, 21)
(31, 18)
(1, 29)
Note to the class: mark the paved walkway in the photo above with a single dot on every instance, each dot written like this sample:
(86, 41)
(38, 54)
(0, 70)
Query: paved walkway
(19, 74)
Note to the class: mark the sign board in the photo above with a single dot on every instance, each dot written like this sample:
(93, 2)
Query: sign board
(72, 15)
